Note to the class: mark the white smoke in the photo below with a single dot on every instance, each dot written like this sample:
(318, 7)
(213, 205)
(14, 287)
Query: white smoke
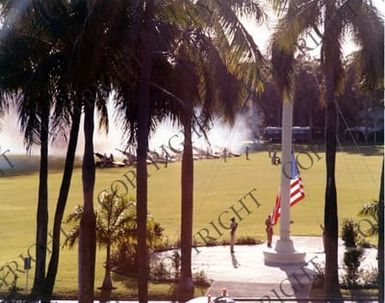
(220, 135)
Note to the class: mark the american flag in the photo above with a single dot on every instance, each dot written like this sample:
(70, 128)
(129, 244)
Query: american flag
(297, 192)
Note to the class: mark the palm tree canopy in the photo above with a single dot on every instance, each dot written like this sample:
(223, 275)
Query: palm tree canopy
(201, 48)
(355, 17)
(115, 220)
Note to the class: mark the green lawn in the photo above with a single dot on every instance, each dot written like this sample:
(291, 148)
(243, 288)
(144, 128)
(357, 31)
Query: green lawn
(218, 186)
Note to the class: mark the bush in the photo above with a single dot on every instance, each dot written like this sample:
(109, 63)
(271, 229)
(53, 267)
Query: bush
(200, 279)
(167, 244)
(176, 263)
(159, 272)
(354, 253)
(248, 240)
(350, 234)
(124, 260)
(370, 278)
(165, 268)
(242, 240)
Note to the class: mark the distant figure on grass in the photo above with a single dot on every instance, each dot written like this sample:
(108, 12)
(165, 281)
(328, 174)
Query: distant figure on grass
(269, 230)
(275, 160)
(233, 228)
(225, 154)
(247, 152)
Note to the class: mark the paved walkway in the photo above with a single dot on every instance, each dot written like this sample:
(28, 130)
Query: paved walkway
(244, 273)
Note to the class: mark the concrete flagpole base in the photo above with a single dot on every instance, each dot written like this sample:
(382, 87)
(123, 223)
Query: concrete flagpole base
(283, 253)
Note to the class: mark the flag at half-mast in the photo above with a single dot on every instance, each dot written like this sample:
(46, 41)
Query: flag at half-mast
(297, 192)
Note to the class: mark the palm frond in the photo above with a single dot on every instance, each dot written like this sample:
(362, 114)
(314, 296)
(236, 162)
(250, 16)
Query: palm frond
(367, 29)
(296, 21)
(370, 210)
(75, 216)
(72, 237)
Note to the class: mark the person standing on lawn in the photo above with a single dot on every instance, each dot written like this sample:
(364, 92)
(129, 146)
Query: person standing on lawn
(233, 228)
(269, 230)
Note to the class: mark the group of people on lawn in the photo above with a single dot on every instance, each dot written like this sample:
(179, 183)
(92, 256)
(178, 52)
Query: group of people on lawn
(269, 231)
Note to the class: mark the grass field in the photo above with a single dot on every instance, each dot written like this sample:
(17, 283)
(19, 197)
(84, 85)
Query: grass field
(218, 186)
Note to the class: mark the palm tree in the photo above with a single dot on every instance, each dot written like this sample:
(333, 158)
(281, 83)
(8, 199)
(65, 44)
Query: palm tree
(198, 72)
(85, 69)
(115, 221)
(55, 35)
(192, 81)
(62, 29)
(207, 72)
(61, 203)
(146, 40)
(30, 70)
(134, 89)
(337, 18)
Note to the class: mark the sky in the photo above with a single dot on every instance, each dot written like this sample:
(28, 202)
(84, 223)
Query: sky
(11, 138)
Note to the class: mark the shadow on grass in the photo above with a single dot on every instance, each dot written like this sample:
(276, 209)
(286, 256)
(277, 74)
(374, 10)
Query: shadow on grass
(365, 150)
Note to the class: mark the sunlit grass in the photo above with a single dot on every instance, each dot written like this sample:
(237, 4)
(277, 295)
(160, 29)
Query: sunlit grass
(218, 186)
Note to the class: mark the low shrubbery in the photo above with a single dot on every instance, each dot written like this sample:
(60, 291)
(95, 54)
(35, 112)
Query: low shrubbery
(353, 254)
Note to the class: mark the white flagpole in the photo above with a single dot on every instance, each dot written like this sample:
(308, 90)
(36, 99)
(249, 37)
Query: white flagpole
(284, 251)
(287, 124)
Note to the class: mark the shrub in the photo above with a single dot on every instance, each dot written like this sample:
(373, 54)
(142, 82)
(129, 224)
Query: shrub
(350, 234)
(200, 279)
(248, 240)
(353, 254)
(176, 263)
(370, 277)
(124, 258)
(165, 267)
(159, 272)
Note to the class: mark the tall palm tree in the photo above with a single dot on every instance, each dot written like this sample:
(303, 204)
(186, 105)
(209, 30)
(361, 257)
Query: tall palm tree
(56, 36)
(86, 68)
(337, 18)
(146, 38)
(136, 88)
(196, 71)
(61, 28)
(200, 79)
(30, 70)
(207, 74)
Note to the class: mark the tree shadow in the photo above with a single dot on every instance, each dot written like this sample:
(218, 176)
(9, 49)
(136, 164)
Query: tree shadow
(234, 261)
(298, 284)
(129, 281)
(104, 295)
(365, 150)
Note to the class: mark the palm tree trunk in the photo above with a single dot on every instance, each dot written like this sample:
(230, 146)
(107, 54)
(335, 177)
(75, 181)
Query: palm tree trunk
(61, 204)
(146, 40)
(107, 283)
(330, 216)
(87, 235)
(331, 286)
(381, 239)
(186, 285)
(42, 207)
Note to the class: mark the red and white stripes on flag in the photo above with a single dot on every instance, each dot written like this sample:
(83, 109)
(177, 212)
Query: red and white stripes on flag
(297, 192)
